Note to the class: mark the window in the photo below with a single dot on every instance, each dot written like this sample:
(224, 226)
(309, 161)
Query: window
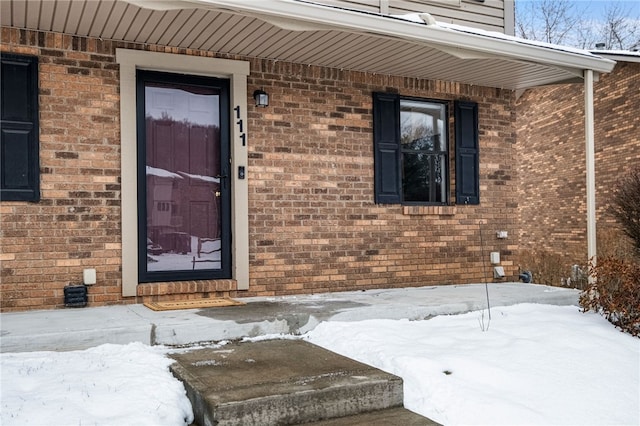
(19, 149)
(424, 151)
(411, 144)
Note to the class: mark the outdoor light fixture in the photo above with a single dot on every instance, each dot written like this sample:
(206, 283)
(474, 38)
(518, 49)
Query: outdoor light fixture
(262, 98)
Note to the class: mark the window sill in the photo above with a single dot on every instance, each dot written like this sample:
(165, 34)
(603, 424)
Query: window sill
(429, 210)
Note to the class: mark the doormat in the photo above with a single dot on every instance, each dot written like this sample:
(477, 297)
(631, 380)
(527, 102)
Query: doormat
(213, 302)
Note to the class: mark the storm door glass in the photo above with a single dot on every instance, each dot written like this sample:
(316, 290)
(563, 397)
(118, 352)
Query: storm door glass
(184, 213)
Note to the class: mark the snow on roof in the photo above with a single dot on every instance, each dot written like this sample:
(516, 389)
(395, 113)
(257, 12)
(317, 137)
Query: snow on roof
(417, 18)
(620, 55)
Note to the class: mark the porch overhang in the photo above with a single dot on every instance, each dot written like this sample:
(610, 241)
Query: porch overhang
(412, 45)
(310, 33)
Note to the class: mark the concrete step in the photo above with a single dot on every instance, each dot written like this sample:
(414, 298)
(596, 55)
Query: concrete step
(388, 417)
(281, 382)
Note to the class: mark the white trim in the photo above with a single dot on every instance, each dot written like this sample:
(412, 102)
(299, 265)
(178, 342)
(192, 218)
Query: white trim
(237, 72)
(509, 10)
(590, 167)
(619, 55)
(384, 7)
(490, 43)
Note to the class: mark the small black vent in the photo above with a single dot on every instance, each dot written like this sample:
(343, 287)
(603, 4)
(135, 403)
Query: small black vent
(75, 296)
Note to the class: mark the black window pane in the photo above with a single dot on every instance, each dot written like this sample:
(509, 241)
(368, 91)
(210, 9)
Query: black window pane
(416, 177)
(422, 126)
(440, 178)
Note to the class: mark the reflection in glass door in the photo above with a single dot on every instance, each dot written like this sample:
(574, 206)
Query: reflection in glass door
(183, 161)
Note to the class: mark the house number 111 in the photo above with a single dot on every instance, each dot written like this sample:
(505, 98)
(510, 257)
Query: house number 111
(239, 123)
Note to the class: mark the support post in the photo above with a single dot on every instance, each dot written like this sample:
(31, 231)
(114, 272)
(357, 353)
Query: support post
(590, 170)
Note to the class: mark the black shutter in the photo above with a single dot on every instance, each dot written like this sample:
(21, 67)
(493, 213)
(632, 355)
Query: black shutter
(467, 153)
(386, 141)
(19, 147)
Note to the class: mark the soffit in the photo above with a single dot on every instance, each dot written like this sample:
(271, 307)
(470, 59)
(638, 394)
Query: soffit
(225, 27)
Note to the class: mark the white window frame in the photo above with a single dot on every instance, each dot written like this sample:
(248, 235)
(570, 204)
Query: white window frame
(236, 72)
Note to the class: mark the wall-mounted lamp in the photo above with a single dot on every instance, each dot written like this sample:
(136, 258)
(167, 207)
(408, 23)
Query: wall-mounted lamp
(262, 98)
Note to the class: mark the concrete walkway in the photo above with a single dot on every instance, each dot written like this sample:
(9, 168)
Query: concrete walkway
(81, 328)
(288, 382)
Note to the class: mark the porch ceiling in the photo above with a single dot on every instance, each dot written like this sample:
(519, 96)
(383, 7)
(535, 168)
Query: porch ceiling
(307, 33)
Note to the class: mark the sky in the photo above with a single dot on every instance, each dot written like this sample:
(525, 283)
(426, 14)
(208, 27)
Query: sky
(584, 25)
(596, 8)
(529, 364)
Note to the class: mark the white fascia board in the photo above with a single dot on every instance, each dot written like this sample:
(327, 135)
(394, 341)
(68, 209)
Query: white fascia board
(619, 55)
(433, 35)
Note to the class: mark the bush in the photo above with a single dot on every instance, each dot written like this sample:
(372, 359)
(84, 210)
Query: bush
(615, 293)
(553, 269)
(613, 242)
(626, 205)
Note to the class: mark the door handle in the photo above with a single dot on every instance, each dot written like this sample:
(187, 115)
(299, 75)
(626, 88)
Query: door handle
(223, 178)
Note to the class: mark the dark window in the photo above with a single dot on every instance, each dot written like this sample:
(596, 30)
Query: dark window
(411, 145)
(19, 140)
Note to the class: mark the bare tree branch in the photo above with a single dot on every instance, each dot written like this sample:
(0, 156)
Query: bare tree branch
(560, 22)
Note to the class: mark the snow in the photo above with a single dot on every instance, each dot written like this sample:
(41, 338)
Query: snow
(154, 171)
(535, 364)
(530, 364)
(106, 385)
(208, 179)
(618, 52)
(209, 258)
(415, 18)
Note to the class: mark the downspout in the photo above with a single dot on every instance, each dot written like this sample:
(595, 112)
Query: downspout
(591, 170)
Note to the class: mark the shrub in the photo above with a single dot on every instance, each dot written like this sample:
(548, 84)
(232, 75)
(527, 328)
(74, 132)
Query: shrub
(553, 269)
(626, 205)
(615, 293)
(613, 242)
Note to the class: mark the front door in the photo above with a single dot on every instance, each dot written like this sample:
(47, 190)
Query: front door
(184, 188)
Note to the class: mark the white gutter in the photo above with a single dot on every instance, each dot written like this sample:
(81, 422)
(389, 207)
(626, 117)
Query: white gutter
(348, 20)
(590, 168)
(619, 55)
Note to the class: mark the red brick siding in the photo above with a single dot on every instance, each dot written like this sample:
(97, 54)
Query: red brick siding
(551, 145)
(313, 224)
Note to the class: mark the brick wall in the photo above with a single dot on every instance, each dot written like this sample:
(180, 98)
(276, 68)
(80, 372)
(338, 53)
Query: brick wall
(313, 224)
(551, 144)
(76, 224)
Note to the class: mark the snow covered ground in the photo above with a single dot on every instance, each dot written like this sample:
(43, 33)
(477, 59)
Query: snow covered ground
(535, 364)
(532, 364)
(209, 258)
(106, 385)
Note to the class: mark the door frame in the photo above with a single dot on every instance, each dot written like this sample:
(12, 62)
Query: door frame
(236, 71)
